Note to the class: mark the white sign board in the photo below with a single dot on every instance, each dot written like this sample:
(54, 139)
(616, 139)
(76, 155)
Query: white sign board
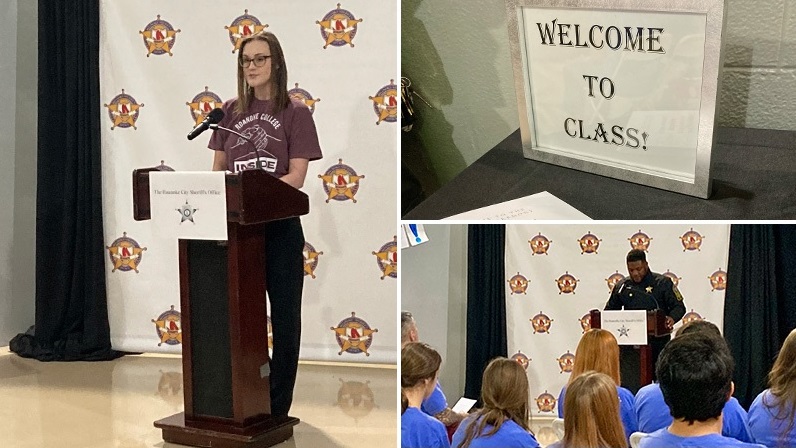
(629, 327)
(621, 88)
(189, 205)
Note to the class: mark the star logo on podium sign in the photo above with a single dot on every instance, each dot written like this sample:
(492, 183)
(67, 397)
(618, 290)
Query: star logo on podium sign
(186, 212)
(623, 331)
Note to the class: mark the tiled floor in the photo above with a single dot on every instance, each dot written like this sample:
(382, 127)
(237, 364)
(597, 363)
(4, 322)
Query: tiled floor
(113, 404)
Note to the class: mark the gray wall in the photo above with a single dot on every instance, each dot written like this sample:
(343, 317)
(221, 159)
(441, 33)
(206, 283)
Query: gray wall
(18, 96)
(434, 289)
(456, 54)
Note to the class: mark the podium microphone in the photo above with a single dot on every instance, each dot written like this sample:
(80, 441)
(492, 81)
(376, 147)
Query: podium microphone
(213, 117)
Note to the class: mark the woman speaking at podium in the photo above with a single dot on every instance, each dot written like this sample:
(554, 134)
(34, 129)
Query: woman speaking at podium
(282, 140)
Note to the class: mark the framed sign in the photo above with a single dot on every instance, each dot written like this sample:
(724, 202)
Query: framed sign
(620, 88)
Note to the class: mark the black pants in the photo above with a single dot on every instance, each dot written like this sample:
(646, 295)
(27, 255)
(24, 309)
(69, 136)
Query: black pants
(630, 363)
(284, 280)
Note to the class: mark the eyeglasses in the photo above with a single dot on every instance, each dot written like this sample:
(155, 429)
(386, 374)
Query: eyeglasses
(258, 60)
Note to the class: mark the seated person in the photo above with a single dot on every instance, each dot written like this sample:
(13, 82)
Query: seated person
(592, 414)
(598, 351)
(653, 414)
(504, 421)
(436, 405)
(695, 376)
(771, 416)
(419, 369)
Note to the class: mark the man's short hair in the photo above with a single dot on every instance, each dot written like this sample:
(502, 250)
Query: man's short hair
(636, 255)
(700, 326)
(407, 325)
(695, 375)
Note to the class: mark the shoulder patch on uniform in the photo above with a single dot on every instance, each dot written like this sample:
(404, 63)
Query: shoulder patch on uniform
(677, 293)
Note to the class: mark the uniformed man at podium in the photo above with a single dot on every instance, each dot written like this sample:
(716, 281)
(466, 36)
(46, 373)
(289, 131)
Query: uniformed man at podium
(644, 290)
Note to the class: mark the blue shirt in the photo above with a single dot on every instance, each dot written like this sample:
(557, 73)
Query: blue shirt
(653, 414)
(419, 430)
(510, 435)
(764, 427)
(627, 409)
(662, 438)
(435, 403)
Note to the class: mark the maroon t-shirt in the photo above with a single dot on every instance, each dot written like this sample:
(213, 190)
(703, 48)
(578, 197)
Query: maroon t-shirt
(290, 134)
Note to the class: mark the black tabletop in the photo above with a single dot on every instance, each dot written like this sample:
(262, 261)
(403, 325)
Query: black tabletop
(754, 178)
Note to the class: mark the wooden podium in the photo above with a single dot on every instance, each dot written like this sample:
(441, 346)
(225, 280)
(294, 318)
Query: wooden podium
(225, 363)
(656, 326)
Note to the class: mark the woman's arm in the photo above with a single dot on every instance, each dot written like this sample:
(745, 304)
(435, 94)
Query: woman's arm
(220, 161)
(296, 172)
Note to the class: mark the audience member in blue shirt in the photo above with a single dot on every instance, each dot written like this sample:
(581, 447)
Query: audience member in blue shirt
(419, 370)
(503, 422)
(662, 438)
(695, 376)
(653, 414)
(593, 419)
(436, 402)
(771, 416)
(599, 351)
(436, 405)
(627, 410)
(420, 430)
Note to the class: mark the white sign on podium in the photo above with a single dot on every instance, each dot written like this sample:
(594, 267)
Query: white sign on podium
(189, 205)
(629, 327)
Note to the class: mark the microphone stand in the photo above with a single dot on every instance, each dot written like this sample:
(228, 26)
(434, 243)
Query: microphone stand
(258, 164)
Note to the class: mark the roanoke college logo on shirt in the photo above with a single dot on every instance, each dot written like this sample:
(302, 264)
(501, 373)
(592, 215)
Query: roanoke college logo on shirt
(258, 129)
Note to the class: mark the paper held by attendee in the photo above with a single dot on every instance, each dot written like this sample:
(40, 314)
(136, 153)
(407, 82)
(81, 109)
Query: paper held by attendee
(463, 405)
(536, 206)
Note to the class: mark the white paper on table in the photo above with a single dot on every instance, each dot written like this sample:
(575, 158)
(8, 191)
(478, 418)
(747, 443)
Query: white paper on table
(463, 405)
(629, 327)
(189, 204)
(536, 206)
(404, 240)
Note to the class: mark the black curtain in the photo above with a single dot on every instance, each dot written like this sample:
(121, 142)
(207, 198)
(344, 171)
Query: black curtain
(486, 301)
(760, 301)
(71, 306)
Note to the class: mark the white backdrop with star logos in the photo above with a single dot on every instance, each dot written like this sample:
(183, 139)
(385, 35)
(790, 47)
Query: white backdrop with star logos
(692, 257)
(165, 65)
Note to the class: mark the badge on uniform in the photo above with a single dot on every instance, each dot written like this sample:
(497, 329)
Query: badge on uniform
(649, 289)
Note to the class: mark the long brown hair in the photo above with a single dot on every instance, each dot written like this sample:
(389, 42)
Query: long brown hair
(419, 362)
(505, 394)
(598, 351)
(278, 74)
(593, 419)
(782, 383)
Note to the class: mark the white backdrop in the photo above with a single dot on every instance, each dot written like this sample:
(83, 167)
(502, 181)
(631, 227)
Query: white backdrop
(165, 64)
(544, 319)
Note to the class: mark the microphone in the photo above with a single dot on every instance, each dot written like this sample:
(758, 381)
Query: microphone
(213, 117)
(259, 164)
